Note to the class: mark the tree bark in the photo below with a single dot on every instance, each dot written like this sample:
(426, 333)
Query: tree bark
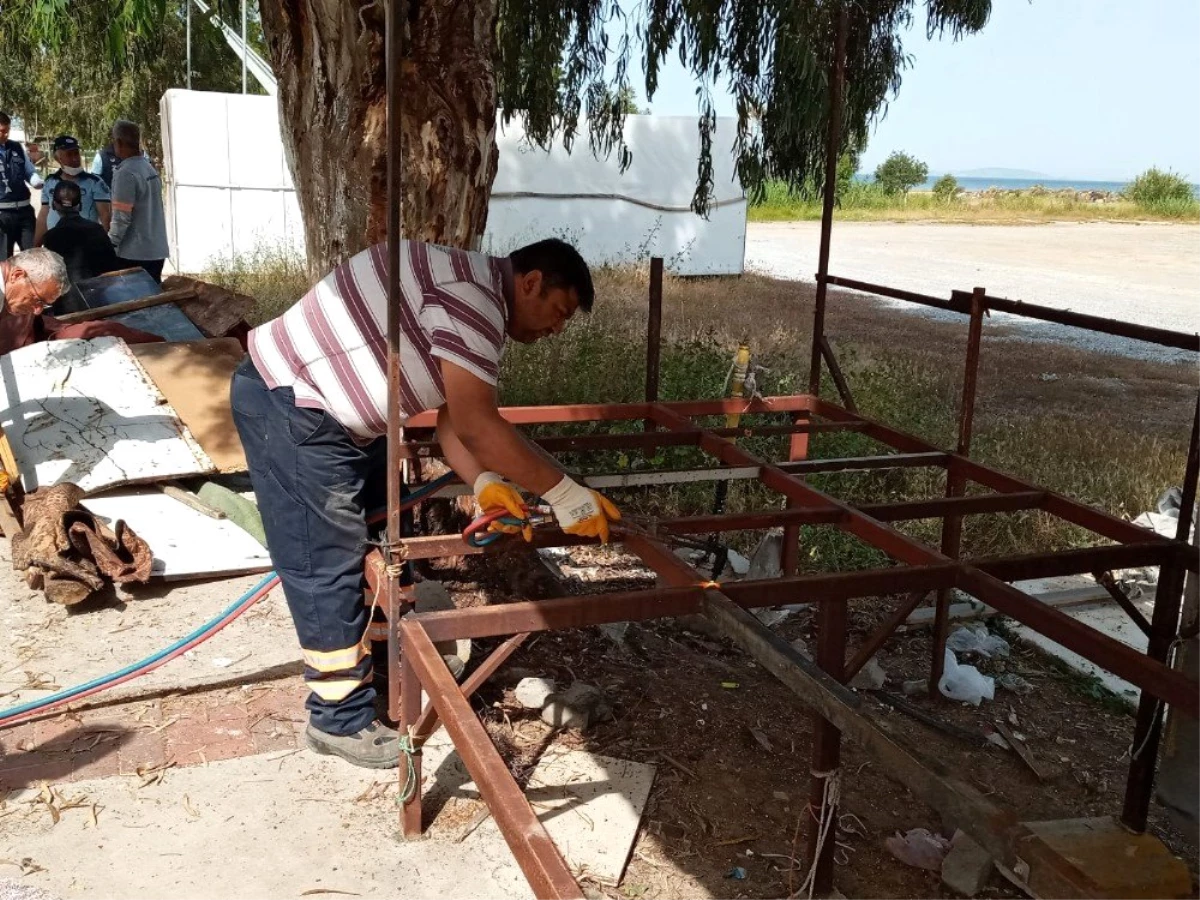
(328, 56)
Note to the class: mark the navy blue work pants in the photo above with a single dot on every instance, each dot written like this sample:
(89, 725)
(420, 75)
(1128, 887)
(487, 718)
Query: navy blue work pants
(314, 484)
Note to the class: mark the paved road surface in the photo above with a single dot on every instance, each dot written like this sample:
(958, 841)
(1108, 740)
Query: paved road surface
(1149, 274)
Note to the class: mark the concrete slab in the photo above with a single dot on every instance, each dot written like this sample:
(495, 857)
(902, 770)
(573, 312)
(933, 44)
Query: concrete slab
(591, 805)
(268, 826)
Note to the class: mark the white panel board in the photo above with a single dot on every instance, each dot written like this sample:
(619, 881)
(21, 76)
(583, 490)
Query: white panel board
(185, 543)
(230, 144)
(203, 223)
(259, 217)
(86, 412)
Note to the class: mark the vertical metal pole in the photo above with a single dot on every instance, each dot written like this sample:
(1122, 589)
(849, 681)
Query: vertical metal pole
(654, 329)
(410, 714)
(833, 144)
(827, 746)
(1187, 513)
(653, 338)
(1139, 784)
(955, 484)
(245, 46)
(189, 44)
(1164, 627)
(394, 50)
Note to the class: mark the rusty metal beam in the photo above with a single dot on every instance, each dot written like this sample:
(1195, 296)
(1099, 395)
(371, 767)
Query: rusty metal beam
(1076, 562)
(428, 721)
(639, 440)
(1095, 520)
(540, 860)
(889, 541)
(617, 412)
(879, 636)
(954, 506)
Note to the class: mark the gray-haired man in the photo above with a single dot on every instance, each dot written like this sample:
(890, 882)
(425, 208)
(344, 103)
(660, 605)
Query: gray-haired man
(29, 283)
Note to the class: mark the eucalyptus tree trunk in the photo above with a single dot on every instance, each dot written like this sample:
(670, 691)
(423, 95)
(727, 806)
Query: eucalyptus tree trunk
(328, 56)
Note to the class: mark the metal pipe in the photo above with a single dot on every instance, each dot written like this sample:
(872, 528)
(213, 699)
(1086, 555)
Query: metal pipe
(832, 146)
(621, 412)
(654, 329)
(188, 4)
(1161, 336)
(1147, 732)
(894, 293)
(395, 605)
(955, 485)
(540, 860)
(826, 751)
(839, 377)
(245, 46)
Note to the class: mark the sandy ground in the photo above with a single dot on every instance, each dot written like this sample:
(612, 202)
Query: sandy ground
(206, 831)
(1143, 273)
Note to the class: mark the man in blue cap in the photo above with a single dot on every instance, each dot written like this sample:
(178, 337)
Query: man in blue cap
(95, 197)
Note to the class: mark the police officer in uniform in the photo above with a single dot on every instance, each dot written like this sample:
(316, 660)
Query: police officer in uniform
(96, 202)
(105, 163)
(17, 222)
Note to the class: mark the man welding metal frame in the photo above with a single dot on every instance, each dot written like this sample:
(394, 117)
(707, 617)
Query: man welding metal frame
(310, 404)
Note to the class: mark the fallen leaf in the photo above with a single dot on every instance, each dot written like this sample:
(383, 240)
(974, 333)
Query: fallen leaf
(762, 739)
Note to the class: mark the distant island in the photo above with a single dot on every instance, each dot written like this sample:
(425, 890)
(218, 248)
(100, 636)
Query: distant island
(996, 172)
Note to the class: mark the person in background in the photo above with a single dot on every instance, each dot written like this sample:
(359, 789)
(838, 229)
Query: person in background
(17, 175)
(105, 163)
(94, 192)
(139, 229)
(81, 242)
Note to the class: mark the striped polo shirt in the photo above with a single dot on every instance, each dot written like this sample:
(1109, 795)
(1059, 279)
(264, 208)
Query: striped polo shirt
(330, 348)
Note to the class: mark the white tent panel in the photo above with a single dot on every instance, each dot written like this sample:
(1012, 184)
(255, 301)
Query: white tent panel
(229, 190)
(201, 225)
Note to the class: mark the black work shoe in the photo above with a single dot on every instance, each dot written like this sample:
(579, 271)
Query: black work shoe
(375, 747)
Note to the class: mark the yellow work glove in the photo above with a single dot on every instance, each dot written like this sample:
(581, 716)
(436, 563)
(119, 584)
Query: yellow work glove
(492, 493)
(580, 510)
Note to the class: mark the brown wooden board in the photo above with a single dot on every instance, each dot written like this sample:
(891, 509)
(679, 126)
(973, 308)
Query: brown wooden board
(194, 377)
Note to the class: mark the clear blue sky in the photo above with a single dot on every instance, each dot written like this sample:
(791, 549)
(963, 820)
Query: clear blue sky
(1099, 89)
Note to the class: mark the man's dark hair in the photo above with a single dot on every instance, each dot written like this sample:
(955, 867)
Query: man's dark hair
(67, 196)
(5, 118)
(561, 267)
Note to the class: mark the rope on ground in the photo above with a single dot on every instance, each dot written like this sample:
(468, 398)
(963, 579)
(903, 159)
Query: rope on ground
(408, 750)
(831, 797)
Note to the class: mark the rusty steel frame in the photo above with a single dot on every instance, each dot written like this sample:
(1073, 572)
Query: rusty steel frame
(416, 669)
(919, 570)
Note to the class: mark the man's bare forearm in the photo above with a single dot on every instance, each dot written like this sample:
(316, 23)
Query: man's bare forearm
(457, 456)
(497, 446)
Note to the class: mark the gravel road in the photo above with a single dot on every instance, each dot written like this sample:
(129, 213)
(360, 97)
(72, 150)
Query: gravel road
(1143, 273)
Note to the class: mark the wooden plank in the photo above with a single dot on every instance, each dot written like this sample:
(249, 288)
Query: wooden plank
(116, 309)
(194, 377)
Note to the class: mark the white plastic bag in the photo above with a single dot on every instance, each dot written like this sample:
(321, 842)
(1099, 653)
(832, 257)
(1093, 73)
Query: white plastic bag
(919, 847)
(965, 683)
(977, 639)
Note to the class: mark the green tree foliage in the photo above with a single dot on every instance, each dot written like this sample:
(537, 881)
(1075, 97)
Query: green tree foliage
(559, 62)
(946, 188)
(78, 77)
(1155, 188)
(900, 173)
